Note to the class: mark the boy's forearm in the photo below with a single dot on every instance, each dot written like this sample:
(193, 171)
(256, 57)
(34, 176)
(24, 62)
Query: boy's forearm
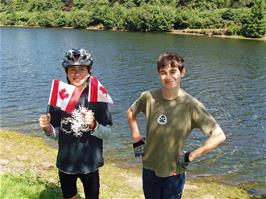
(215, 139)
(133, 125)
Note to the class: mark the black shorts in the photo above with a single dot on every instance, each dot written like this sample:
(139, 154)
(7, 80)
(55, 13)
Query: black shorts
(90, 181)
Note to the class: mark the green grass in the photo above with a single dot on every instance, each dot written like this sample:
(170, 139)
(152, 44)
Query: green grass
(23, 176)
(27, 186)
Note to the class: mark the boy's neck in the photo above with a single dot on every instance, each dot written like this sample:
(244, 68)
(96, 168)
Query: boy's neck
(81, 88)
(171, 94)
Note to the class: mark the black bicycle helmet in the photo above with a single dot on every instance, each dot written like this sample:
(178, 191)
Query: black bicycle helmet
(77, 57)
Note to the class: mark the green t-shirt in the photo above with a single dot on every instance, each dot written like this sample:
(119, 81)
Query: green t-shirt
(168, 124)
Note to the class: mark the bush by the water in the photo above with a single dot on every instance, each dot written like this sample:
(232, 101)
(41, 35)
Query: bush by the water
(244, 17)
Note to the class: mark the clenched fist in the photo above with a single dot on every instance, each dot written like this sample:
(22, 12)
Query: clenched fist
(44, 122)
(88, 119)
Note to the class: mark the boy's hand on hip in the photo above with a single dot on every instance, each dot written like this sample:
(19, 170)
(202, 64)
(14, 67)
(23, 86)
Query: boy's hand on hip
(139, 147)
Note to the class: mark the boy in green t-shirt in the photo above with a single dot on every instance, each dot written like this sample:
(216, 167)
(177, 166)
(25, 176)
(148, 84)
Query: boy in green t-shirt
(171, 115)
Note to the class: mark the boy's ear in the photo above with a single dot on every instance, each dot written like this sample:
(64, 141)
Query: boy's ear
(183, 72)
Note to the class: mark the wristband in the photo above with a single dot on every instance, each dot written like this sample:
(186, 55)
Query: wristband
(141, 142)
(187, 156)
(139, 147)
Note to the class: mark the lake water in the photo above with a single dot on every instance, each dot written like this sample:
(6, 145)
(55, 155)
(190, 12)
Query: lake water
(228, 76)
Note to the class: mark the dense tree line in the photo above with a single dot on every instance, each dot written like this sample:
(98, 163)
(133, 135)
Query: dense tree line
(232, 17)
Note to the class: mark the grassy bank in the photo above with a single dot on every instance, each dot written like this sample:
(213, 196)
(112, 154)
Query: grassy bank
(213, 33)
(28, 171)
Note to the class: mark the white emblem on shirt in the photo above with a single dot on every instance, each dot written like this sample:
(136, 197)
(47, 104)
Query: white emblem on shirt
(162, 119)
(76, 123)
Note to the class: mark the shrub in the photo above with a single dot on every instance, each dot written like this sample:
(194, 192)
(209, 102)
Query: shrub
(33, 19)
(15, 5)
(110, 17)
(60, 19)
(150, 18)
(79, 4)
(4, 20)
(3, 7)
(134, 20)
(44, 5)
(181, 18)
(11, 18)
(45, 19)
(162, 18)
(254, 25)
(79, 19)
(22, 16)
(120, 15)
(205, 19)
(233, 29)
(235, 15)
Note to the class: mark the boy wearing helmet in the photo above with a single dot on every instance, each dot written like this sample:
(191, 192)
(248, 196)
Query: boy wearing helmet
(171, 115)
(79, 150)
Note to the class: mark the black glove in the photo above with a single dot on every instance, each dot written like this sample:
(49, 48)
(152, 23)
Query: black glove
(183, 159)
(139, 147)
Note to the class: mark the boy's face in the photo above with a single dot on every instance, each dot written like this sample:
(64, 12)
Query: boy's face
(77, 75)
(171, 77)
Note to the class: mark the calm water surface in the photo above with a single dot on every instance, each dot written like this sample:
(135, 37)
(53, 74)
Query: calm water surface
(228, 76)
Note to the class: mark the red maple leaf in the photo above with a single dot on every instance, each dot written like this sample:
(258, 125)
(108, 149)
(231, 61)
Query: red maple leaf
(104, 91)
(63, 94)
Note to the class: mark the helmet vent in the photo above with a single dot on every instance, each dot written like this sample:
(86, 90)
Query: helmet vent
(75, 57)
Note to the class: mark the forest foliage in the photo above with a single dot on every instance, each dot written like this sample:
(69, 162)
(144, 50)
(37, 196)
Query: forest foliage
(233, 17)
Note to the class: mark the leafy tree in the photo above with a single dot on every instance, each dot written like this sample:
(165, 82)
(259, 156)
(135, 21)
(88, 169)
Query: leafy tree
(114, 17)
(246, 17)
(3, 7)
(44, 5)
(181, 18)
(233, 29)
(22, 18)
(240, 3)
(106, 16)
(10, 18)
(80, 19)
(150, 18)
(16, 5)
(80, 4)
(60, 18)
(254, 25)
(45, 19)
(128, 3)
(68, 5)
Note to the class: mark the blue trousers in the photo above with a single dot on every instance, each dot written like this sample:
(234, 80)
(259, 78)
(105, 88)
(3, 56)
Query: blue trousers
(155, 187)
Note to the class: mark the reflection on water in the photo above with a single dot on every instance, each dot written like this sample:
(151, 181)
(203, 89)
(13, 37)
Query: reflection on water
(228, 76)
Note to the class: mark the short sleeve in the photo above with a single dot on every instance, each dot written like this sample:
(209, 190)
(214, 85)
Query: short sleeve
(139, 105)
(202, 119)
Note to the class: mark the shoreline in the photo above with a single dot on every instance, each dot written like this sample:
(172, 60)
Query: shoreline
(194, 32)
(211, 33)
(32, 154)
